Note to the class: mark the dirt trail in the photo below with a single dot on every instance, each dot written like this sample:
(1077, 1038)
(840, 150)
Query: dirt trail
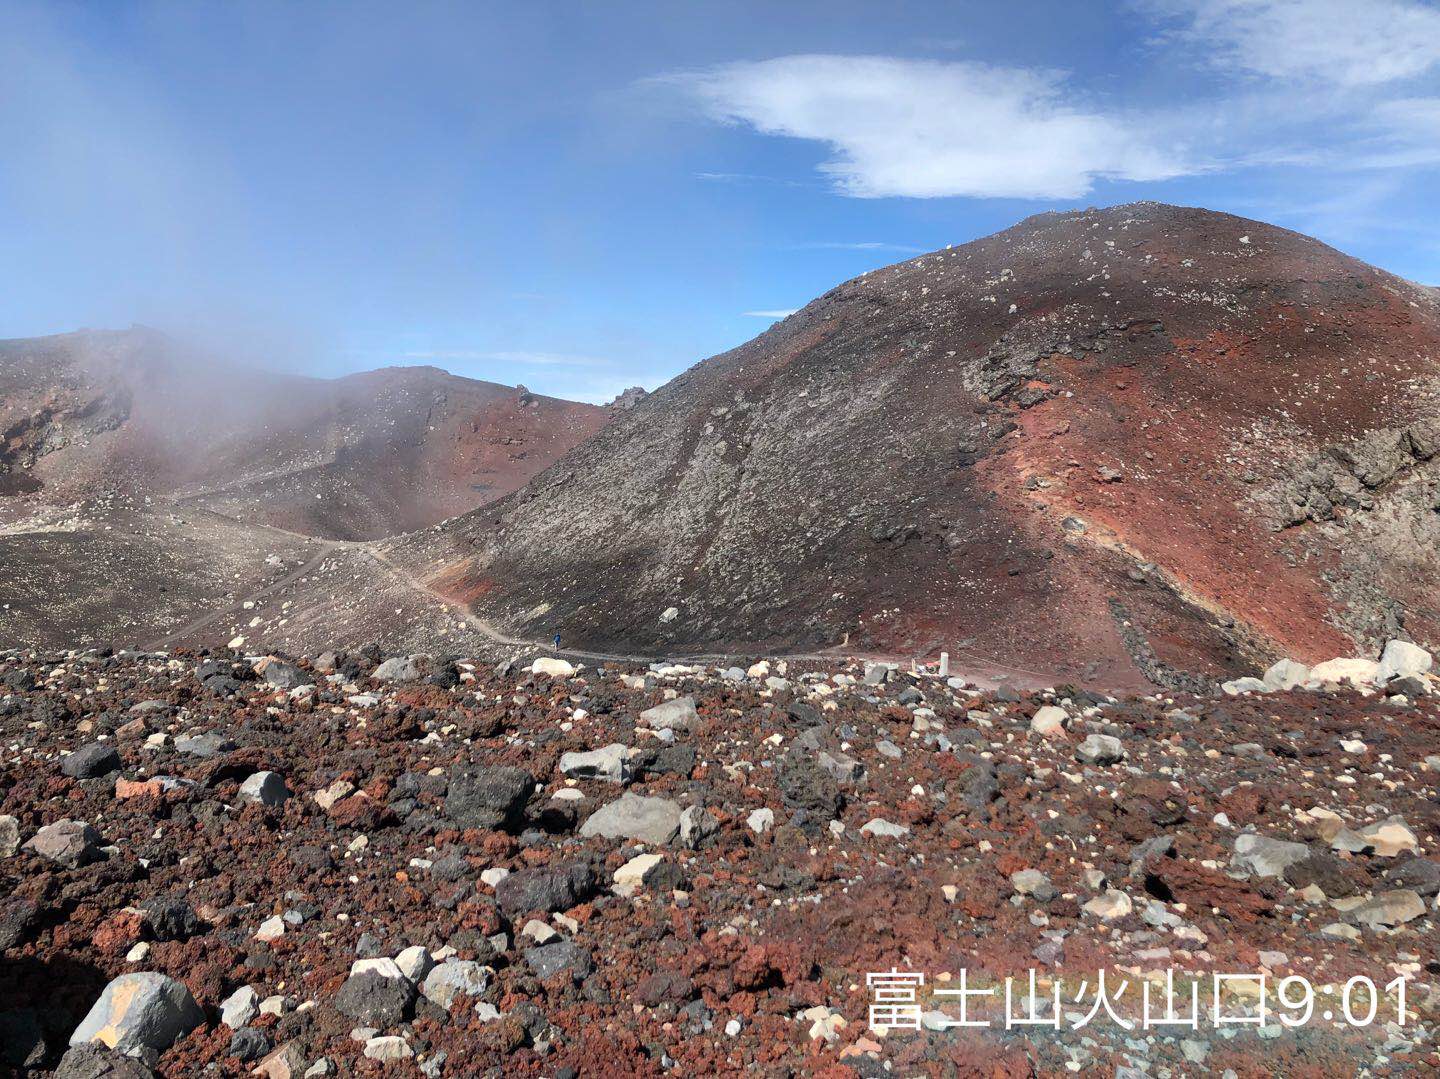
(987, 673)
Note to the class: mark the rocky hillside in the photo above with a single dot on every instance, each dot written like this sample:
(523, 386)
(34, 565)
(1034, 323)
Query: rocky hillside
(352, 458)
(1125, 445)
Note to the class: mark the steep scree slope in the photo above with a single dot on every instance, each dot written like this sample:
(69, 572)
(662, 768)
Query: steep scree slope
(1127, 445)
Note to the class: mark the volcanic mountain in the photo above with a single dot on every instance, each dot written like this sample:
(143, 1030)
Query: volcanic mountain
(1129, 445)
(149, 493)
(350, 458)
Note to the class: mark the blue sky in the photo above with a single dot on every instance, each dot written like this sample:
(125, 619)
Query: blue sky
(581, 197)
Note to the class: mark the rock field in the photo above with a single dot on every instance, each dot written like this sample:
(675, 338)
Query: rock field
(359, 864)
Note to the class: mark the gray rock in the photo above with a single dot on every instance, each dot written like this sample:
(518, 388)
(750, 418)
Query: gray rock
(376, 1000)
(286, 675)
(844, 769)
(550, 959)
(9, 836)
(71, 843)
(696, 826)
(138, 1012)
(1267, 857)
(488, 797)
(1033, 883)
(454, 979)
(89, 762)
(240, 1007)
(267, 788)
(1243, 685)
(249, 1044)
(876, 673)
(97, 1062)
(399, 669)
(1388, 909)
(1421, 874)
(549, 890)
(203, 745)
(676, 715)
(650, 820)
(611, 764)
(1100, 749)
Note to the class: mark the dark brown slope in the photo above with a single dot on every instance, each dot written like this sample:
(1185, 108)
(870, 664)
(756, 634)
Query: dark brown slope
(351, 458)
(1112, 445)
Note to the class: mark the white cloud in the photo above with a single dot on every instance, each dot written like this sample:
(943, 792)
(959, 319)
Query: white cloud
(863, 245)
(926, 128)
(526, 359)
(1345, 42)
(771, 314)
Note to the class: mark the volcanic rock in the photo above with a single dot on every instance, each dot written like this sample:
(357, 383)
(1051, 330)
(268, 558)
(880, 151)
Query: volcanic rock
(481, 796)
(633, 816)
(138, 1012)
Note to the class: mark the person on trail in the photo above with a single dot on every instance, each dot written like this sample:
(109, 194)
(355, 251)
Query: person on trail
(557, 642)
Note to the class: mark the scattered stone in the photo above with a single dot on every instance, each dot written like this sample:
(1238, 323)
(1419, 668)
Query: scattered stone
(91, 762)
(266, 788)
(1388, 909)
(455, 978)
(399, 669)
(611, 764)
(553, 668)
(676, 715)
(239, 1007)
(70, 843)
(138, 1012)
(633, 816)
(547, 960)
(1049, 720)
(1267, 857)
(1100, 749)
(1109, 905)
(376, 1000)
(488, 797)
(546, 889)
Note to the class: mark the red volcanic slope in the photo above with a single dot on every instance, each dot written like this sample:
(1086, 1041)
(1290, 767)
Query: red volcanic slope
(1115, 445)
(357, 457)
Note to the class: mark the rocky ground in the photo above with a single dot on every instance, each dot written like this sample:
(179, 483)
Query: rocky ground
(221, 863)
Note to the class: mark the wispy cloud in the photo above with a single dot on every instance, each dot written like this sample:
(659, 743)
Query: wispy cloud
(746, 178)
(526, 359)
(864, 245)
(778, 314)
(926, 128)
(1343, 42)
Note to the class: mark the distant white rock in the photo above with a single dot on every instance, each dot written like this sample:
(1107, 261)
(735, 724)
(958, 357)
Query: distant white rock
(1285, 674)
(1401, 659)
(555, 668)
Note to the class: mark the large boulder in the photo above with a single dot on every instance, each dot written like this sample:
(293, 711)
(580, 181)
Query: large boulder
(71, 843)
(632, 816)
(549, 890)
(481, 796)
(611, 764)
(140, 1011)
(88, 762)
(1267, 857)
(676, 715)
(1336, 672)
(1285, 674)
(1401, 659)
